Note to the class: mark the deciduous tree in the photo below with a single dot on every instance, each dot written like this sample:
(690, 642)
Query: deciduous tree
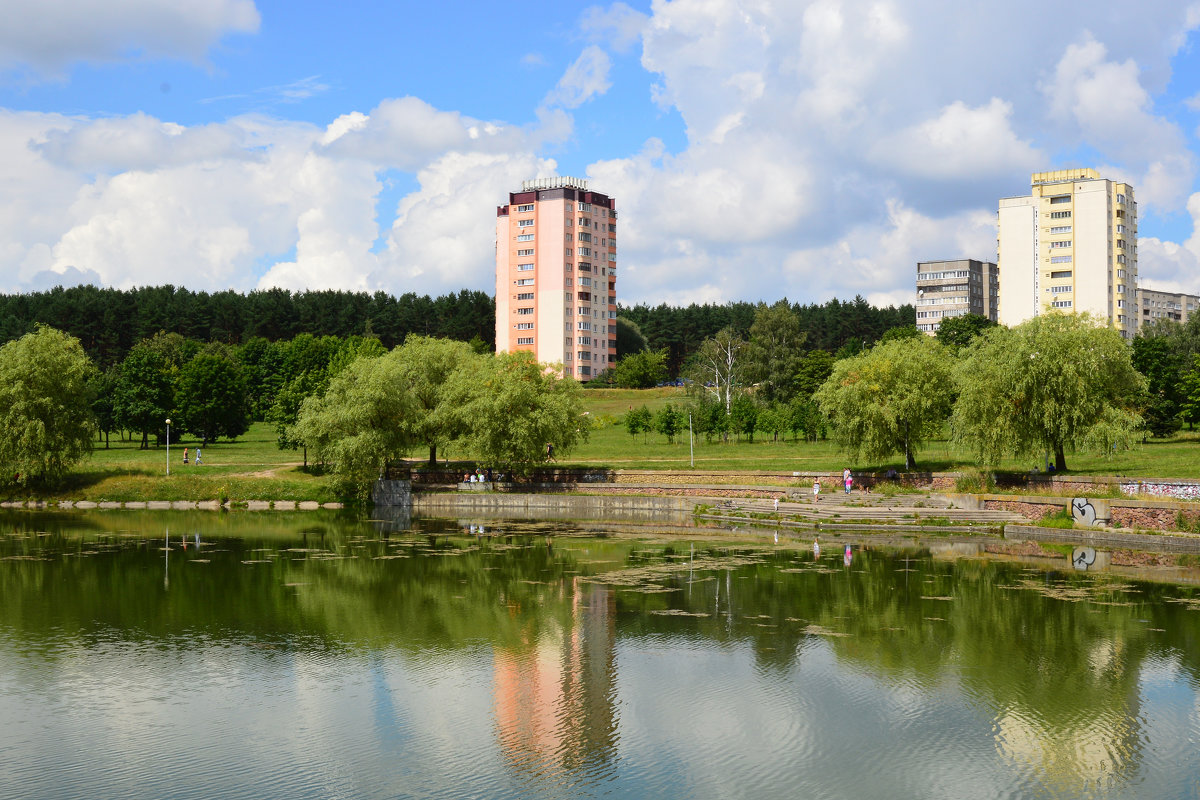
(958, 332)
(211, 396)
(145, 394)
(46, 425)
(641, 370)
(511, 408)
(775, 350)
(1054, 382)
(638, 420)
(669, 421)
(889, 399)
(358, 425)
(425, 368)
(718, 366)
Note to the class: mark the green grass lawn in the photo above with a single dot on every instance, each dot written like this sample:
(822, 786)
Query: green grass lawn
(252, 467)
(610, 445)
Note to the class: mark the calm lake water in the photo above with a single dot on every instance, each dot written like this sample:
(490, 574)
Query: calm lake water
(308, 656)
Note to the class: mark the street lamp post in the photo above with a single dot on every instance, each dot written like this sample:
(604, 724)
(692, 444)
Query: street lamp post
(168, 446)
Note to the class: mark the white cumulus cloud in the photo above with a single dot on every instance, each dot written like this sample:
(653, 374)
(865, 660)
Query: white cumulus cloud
(45, 38)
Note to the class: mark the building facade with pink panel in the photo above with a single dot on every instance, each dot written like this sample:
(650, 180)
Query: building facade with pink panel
(556, 275)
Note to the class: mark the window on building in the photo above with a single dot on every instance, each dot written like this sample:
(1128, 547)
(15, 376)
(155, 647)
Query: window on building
(1120, 258)
(1120, 303)
(584, 280)
(524, 326)
(585, 371)
(1061, 304)
(524, 223)
(524, 312)
(583, 326)
(1120, 273)
(584, 236)
(525, 237)
(525, 296)
(567, 253)
(1120, 288)
(524, 267)
(1120, 198)
(584, 355)
(1063, 243)
(1059, 289)
(1061, 274)
(585, 207)
(524, 340)
(528, 252)
(1060, 259)
(523, 209)
(1061, 229)
(1060, 199)
(525, 282)
(585, 340)
(585, 251)
(1060, 215)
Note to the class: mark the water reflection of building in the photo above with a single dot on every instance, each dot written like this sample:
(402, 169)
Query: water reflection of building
(555, 697)
(1099, 742)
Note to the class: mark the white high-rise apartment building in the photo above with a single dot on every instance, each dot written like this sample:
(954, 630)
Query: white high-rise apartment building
(1069, 245)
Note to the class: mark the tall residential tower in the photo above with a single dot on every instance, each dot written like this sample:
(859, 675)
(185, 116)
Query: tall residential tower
(556, 275)
(1070, 244)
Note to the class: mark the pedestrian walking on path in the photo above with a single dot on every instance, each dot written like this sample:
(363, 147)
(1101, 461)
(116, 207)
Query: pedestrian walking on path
(848, 479)
(816, 490)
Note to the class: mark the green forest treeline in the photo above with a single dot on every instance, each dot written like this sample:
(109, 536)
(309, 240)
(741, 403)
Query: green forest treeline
(109, 322)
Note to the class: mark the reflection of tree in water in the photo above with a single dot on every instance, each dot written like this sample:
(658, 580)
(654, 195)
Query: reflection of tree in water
(1043, 657)
(1054, 660)
(555, 694)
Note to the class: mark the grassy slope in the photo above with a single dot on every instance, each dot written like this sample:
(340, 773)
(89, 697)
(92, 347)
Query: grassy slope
(610, 445)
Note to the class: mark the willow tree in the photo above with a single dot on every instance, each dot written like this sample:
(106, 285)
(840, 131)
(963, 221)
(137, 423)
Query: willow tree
(890, 399)
(358, 425)
(511, 407)
(46, 391)
(426, 366)
(1052, 383)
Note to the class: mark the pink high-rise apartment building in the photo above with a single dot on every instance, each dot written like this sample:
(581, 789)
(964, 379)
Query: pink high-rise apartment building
(556, 275)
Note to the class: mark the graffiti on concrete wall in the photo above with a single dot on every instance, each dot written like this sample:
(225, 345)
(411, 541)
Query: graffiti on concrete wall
(1179, 491)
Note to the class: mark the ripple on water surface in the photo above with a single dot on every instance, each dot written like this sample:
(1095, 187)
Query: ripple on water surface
(510, 670)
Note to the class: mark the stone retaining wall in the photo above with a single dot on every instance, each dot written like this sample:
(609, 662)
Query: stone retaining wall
(1160, 515)
(173, 505)
(674, 510)
(1164, 543)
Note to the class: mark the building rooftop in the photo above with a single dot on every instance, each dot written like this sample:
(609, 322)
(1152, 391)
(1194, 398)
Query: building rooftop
(563, 182)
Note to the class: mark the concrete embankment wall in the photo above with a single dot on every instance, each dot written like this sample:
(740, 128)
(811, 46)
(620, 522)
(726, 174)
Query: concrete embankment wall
(1161, 543)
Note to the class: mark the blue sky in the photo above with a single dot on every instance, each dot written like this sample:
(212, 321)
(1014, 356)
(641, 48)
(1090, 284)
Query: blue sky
(799, 148)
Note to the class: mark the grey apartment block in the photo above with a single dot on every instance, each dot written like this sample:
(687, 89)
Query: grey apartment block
(954, 288)
(1153, 306)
